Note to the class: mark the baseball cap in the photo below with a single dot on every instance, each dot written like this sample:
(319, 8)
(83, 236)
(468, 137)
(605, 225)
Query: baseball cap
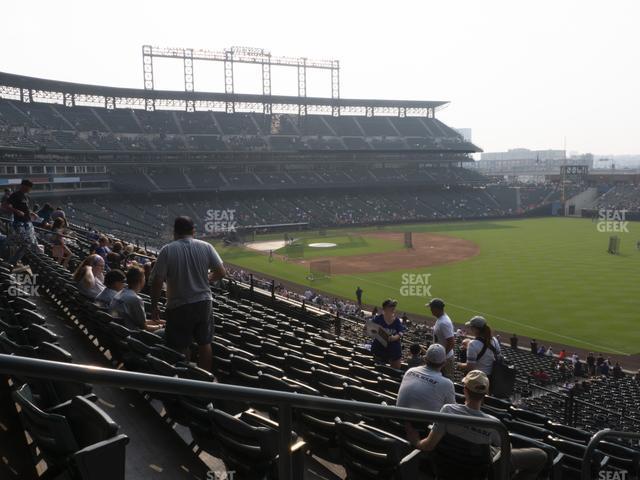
(436, 354)
(435, 302)
(27, 182)
(476, 381)
(477, 322)
(389, 302)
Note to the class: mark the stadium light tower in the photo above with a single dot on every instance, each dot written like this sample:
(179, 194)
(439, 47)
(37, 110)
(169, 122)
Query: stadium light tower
(231, 56)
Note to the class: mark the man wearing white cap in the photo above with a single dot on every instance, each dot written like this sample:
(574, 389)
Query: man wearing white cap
(424, 387)
(443, 334)
(526, 463)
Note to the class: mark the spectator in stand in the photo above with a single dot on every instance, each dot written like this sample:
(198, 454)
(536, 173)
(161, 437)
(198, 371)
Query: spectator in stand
(542, 376)
(562, 354)
(526, 463)
(578, 369)
(423, 387)
(89, 276)
(392, 327)
(45, 213)
(534, 347)
(359, 296)
(187, 265)
(603, 368)
(23, 235)
(417, 355)
(542, 351)
(59, 250)
(483, 349)
(591, 364)
(58, 213)
(114, 282)
(114, 257)
(617, 371)
(599, 360)
(574, 358)
(103, 247)
(129, 307)
(443, 334)
(549, 352)
(514, 342)
(5, 197)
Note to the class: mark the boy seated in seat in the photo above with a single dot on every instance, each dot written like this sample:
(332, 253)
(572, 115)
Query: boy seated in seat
(114, 282)
(128, 306)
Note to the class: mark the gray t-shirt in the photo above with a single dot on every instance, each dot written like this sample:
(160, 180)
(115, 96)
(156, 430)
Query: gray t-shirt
(425, 389)
(128, 306)
(482, 436)
(485, 364)
(184, 264)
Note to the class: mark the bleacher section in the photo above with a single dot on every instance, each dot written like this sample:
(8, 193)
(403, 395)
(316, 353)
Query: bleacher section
(24, 124)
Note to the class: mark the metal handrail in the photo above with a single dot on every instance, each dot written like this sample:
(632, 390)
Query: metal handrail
(30, 367)
(593, 443)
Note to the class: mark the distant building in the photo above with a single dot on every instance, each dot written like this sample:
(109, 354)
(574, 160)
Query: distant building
(522, 164)
(524, 154)
(465, 132)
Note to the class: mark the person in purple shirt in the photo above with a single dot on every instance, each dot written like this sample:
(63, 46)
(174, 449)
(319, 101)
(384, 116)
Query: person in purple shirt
(392, 326)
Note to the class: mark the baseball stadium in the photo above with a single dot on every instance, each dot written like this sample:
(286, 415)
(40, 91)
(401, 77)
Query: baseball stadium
(331, 235)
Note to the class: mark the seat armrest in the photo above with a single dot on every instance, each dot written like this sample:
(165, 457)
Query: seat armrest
(409, 465)
(382, 433)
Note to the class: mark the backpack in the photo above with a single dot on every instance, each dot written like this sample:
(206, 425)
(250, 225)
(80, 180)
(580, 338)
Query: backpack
(503, 373)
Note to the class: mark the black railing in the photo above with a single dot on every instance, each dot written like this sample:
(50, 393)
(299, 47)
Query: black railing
(593, 444)
(575, 407)
(286, 402)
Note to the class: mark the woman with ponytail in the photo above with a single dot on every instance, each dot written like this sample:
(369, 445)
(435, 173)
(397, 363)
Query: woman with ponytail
(483, 349)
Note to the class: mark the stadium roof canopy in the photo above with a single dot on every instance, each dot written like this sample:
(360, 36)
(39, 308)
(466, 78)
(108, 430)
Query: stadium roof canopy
(38, 89)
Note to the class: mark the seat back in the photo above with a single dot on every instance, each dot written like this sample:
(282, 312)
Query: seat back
(37, 333)
(456, 458)
(366, 454)
(51, 432)
(246, 448)
(90, 424)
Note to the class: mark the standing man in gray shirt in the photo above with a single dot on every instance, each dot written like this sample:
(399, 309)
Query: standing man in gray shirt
(188, 266)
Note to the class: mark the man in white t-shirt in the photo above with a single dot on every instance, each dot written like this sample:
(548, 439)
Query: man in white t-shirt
(443, 334)
(424, 387)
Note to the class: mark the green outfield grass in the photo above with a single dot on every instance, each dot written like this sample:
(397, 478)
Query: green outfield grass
(548, 278)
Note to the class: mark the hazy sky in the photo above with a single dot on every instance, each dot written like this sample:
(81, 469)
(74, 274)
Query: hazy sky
(520, 73)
